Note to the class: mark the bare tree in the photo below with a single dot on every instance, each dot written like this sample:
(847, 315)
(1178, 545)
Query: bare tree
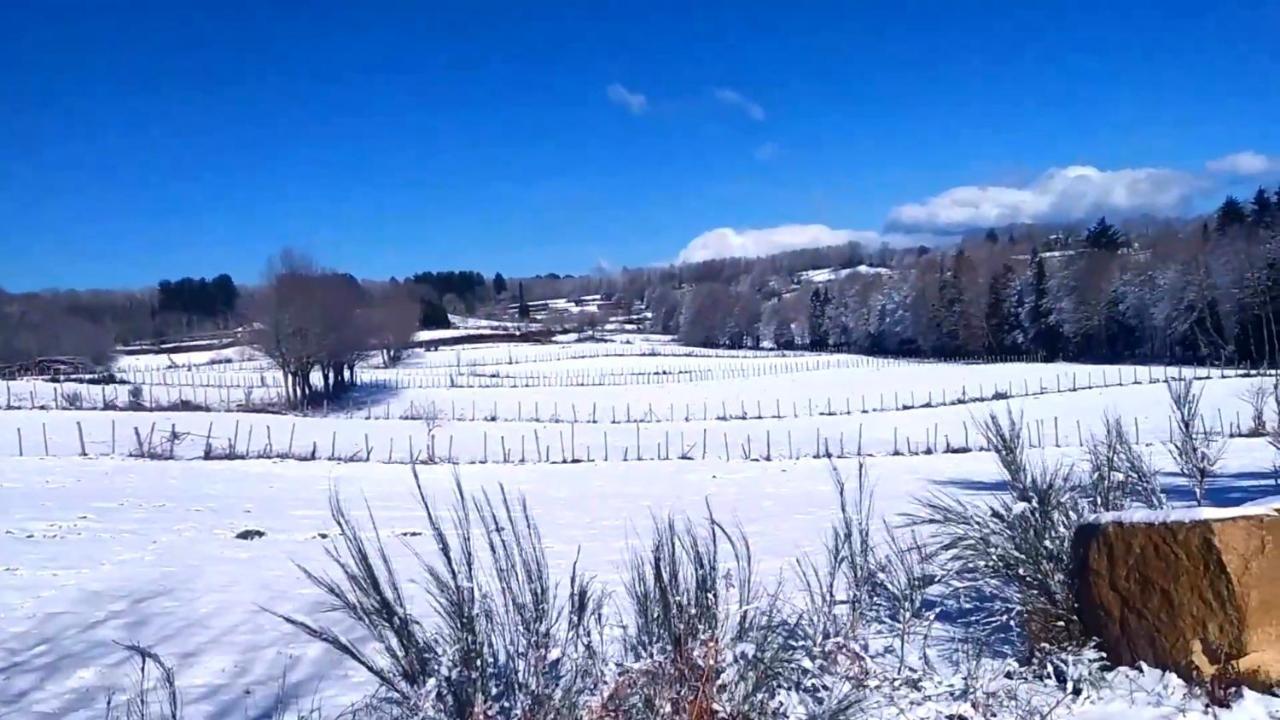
(311, 322)
(393, 319)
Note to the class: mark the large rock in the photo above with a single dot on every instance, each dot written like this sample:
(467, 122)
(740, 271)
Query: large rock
(1194, 592)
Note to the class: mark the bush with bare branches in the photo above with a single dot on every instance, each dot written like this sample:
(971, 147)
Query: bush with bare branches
(1194, 449)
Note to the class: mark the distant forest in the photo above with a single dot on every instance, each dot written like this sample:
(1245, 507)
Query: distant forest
(1205, 289)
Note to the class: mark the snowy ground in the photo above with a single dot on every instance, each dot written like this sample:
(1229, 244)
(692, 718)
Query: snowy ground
(109, 548)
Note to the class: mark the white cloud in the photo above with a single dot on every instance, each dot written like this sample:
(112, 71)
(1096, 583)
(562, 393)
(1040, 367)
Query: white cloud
(1243, 163)
(766, 151)
(727, 242)
(634, 102)
(733, 98)
(1078, 191)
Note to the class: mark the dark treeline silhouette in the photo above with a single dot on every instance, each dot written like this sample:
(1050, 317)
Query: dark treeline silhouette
(452, 291)
(196, 301)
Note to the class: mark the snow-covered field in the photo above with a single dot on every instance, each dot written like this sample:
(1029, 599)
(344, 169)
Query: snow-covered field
(105, 547)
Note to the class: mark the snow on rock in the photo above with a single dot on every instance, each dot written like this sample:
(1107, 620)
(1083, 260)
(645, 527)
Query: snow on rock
(1221, 620)
(1137, 516)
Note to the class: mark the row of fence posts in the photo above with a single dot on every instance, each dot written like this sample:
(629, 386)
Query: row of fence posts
(651, 416)
(165, 446)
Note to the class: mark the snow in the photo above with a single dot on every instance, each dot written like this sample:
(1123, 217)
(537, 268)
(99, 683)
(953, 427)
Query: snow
(450, 333)
(1185, 515)
(823, 275)
(110, 548)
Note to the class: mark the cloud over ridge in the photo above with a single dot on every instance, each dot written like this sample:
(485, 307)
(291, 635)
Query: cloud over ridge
(1076, 191)
(1243, 164)
(727, 242)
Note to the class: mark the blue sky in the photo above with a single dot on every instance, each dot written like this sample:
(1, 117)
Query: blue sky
(146, 140)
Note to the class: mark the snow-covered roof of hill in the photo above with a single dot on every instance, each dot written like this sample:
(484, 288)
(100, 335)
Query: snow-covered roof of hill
(822, 275)
(1264, 506)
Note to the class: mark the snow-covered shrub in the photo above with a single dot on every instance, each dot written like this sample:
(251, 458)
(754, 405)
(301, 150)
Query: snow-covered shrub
(1194, 450)
(835, 589)
(905, 579)
(1119, 474)
(834, 605)
(504, 643)
(699, 639)
(1011, 557)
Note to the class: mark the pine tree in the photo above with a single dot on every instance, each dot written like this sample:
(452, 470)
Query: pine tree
(1102, 235)
(948, 310)
(991, 237)
(1230, 214)
(522, 309)
(819, 301)
(499, 284)
(1261, 210)
(1001, 315)
(1043, 334)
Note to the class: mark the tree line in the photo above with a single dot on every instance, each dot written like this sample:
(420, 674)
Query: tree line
(1143, 289)
(1147, 289)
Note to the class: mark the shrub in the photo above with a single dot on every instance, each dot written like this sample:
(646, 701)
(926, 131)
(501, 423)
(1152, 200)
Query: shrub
(1012, 555)
(699, 640)
(1195, 452)
(1119, 474)
(505, 644)
(73, 399)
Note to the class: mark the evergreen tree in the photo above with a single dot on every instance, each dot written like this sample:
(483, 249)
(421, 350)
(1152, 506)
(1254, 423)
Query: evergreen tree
(1118, 335)
(948, 310)
(432, 315)
(1261, 210)
(991, 237)
(1231, 213)
(1043, 333)
(522, 308)
(1001, 315)
(499, 284)
(225, 295)
(1102, 235)
(819, 335)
